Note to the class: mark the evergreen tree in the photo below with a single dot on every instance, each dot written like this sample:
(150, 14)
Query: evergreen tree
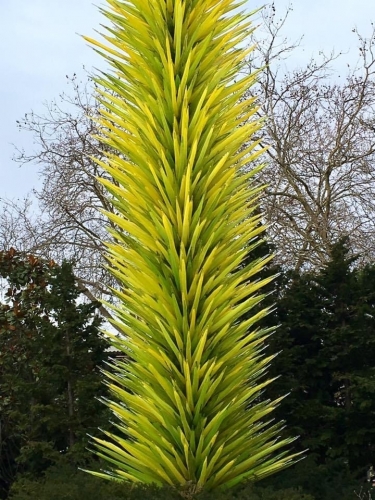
(328, 359)
(50, 350)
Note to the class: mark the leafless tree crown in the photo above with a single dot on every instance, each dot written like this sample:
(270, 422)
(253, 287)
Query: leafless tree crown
(320, 130)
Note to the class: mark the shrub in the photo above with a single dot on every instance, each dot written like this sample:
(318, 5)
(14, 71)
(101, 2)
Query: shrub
(67, 483)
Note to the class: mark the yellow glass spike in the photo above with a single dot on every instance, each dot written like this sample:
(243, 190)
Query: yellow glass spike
(180, 160)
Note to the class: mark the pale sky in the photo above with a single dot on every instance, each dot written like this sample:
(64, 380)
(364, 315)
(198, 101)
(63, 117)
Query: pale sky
(40, 45)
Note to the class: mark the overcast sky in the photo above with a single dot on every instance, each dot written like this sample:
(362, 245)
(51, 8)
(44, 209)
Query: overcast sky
(40, 45)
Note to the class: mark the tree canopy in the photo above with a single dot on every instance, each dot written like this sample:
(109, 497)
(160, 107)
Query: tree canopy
(50, 354)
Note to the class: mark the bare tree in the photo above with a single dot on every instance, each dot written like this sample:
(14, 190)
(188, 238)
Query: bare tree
(17, 227)
(69, 223)
(320, 130)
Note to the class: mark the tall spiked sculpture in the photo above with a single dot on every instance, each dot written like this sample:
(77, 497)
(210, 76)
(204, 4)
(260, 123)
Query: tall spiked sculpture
(187, 400)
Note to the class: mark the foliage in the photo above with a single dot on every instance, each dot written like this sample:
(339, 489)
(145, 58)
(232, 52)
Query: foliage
(331, 480)
(66, 483)
(188, 400)
(312, 307)
(327, 362)
(50, 348)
